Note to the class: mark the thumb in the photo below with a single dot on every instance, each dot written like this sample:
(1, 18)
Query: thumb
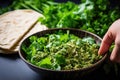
(106, 43)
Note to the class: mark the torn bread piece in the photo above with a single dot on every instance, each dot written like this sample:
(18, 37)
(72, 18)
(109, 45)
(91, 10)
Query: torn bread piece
(14, 25)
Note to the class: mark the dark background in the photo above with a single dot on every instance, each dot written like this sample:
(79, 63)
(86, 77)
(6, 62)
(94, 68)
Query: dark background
(4, 3)
(13, 68)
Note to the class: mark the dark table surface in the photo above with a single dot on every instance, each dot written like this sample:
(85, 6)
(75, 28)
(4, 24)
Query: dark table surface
(13, 68)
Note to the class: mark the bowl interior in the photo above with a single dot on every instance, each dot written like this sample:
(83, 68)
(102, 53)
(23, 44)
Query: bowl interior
(77, 32)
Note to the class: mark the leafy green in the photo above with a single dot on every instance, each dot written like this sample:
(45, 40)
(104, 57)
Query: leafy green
(91, 15)
(61, 51)
(89, 39)
(25, 4)
(45, 63)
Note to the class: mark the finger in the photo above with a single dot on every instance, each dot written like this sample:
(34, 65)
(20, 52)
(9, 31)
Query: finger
(106, 43)
(115, 55)
(103, 48)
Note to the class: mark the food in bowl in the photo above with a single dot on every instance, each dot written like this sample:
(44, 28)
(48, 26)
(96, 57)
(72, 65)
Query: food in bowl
(61, 50)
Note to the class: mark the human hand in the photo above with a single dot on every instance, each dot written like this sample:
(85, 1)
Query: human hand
(112, 35)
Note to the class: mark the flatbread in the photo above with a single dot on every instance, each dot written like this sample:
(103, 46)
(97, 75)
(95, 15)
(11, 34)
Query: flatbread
(37, 27)
(13, 27)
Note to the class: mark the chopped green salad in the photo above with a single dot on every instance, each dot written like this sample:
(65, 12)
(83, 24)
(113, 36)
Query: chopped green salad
(61, 51)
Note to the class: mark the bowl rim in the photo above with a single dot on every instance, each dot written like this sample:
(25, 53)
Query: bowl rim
(72, 70)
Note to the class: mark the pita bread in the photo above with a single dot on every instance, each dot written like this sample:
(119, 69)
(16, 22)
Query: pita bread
(14, 26)
(37, 27)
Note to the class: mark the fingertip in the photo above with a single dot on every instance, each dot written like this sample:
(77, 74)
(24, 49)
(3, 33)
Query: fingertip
(114, 59)
(102, 50)
(99, 52)
(115, 56)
